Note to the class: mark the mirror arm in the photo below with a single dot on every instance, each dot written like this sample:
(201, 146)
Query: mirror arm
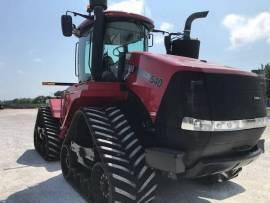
(81, 15)
(168, 33)
(160, 31)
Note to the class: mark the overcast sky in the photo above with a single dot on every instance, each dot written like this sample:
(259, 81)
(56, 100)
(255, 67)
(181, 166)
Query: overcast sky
(32, 48)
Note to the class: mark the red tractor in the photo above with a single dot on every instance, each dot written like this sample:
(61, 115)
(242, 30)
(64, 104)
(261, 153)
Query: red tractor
(134, 114)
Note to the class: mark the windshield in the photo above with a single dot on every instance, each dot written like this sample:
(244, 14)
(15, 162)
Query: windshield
(124, 37)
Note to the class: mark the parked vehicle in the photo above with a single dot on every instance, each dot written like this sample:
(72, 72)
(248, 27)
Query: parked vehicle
(134, 113)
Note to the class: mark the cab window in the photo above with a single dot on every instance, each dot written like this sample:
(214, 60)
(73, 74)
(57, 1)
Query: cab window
(121, 38)
(85, 57)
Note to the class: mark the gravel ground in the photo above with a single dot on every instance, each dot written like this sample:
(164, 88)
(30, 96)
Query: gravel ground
(26, 178)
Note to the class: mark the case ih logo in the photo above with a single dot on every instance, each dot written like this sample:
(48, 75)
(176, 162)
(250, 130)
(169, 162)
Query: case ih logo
(150, 78)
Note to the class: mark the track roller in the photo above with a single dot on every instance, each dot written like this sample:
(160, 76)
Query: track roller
(46, 140)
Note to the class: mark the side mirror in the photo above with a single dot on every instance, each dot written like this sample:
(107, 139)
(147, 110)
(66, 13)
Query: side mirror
(67, 25)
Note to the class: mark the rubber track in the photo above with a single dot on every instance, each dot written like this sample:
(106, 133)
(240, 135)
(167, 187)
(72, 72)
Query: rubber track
(121, 153)
(51, 126)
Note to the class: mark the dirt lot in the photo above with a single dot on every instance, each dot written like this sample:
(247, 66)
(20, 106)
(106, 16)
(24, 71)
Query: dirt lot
(26, 178)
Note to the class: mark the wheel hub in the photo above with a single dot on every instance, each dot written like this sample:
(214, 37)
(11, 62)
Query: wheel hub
(41, 133)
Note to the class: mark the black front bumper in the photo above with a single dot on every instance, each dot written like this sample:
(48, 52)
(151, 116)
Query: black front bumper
(172, 162)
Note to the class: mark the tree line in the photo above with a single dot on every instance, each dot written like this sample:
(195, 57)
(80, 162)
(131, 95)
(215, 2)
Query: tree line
(24, 102)
(28, 102)
(264, 71)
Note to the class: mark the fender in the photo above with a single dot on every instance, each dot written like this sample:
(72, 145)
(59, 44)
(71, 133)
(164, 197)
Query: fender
(89, 94)
(148, 75)
(55, 106)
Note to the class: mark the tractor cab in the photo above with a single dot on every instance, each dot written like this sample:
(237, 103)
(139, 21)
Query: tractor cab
(172, 114)
(105, 37)
(121, 37)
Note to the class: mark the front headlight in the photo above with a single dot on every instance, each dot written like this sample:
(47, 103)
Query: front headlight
(193, 124)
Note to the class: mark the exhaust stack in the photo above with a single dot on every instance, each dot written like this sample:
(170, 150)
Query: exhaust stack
(182, 44)
(190, 20)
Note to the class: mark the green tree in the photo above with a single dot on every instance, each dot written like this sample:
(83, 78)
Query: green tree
(39, 100)
(266, 72)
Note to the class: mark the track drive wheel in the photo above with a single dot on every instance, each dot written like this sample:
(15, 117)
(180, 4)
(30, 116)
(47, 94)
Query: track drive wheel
(46, 140)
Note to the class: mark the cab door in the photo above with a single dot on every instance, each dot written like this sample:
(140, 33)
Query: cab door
(84, 57)
(83, 71)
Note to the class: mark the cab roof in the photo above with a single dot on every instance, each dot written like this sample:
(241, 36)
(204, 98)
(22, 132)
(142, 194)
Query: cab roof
(117, 16)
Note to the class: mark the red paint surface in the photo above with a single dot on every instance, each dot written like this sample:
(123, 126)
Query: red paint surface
(164, 67)
(121, 14)
(55, 105)
(89, 94)
(118, 14)
(106, 94)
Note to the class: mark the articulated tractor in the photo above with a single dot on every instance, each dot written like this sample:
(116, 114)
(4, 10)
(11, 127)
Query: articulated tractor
(135, 114)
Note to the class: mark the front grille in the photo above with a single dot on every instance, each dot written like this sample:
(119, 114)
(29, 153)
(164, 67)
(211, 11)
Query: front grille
(204, 96)
(234, 97)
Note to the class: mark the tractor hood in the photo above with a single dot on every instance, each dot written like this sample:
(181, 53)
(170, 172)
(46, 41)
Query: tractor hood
(178, 63)
(210, 91)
